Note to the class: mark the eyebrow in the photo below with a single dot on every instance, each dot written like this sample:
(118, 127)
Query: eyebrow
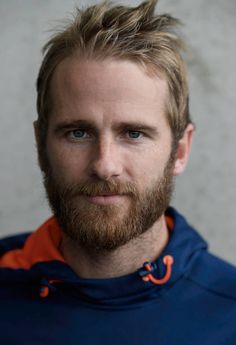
(85, 124)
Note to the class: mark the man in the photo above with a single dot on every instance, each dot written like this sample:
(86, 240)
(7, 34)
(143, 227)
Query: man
(115, 264)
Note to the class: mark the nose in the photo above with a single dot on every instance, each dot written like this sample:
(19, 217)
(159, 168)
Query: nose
(106, 160)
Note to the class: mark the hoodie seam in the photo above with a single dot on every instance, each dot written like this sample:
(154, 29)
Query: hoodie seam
(205, 287)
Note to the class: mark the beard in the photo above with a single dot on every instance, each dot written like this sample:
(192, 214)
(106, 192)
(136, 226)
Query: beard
(106, 227)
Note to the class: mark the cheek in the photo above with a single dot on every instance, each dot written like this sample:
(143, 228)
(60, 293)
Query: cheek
(148, 167)
(66, 164)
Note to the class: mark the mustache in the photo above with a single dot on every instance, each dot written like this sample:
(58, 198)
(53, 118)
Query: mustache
(91, 188)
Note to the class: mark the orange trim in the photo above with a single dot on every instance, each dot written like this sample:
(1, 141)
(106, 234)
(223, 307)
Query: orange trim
(40, 246)
(170, 222)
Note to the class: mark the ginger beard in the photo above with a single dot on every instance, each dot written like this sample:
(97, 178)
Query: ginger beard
(107, 227)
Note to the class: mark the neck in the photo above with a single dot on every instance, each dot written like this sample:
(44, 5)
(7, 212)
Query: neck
(123, 260)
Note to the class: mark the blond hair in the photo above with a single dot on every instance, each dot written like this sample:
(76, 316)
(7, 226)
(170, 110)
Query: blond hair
(134, 33)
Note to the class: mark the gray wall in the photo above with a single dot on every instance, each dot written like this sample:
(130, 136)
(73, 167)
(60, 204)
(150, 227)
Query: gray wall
(206, 193)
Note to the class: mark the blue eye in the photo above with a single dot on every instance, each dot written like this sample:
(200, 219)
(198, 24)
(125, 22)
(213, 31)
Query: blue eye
(134, 134)
(77, 133)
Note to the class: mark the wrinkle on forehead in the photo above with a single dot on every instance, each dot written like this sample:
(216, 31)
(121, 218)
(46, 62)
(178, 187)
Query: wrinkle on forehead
(107, 92)
(107, 80)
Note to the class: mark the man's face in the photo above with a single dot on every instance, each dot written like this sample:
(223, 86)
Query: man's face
(108, 151)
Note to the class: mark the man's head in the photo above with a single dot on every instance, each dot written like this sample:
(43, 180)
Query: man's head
(135, 34)
(113, 118)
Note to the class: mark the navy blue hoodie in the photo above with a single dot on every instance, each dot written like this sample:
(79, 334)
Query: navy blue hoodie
(42, 301)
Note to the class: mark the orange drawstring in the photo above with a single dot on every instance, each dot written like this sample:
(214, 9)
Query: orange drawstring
(44, 291)
(168, 261)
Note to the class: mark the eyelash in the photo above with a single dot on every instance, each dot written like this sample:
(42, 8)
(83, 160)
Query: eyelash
(71, 132)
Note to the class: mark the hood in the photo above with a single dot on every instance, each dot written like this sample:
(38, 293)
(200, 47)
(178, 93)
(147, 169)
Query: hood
(35, 259)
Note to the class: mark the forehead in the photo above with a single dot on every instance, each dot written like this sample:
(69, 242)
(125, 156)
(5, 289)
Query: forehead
(113, 86)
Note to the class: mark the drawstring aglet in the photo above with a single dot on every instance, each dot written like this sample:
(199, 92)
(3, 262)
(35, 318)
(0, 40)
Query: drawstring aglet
(44, 291)
(47, 285)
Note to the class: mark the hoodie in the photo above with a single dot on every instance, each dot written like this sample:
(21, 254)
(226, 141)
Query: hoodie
(187, 296)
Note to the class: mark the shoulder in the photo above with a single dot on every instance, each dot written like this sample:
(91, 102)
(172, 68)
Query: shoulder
(215, 275)
(13, 242)
(49, 230)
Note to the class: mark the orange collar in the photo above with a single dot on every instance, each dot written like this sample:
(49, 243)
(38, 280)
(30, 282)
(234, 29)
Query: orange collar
(41, 245)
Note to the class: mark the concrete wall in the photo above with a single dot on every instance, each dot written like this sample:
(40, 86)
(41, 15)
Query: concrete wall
(206, 193)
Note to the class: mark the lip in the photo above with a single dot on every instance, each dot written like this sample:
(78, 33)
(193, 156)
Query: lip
(106, 199)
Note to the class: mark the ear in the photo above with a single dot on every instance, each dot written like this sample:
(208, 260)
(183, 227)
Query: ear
(183, 150)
